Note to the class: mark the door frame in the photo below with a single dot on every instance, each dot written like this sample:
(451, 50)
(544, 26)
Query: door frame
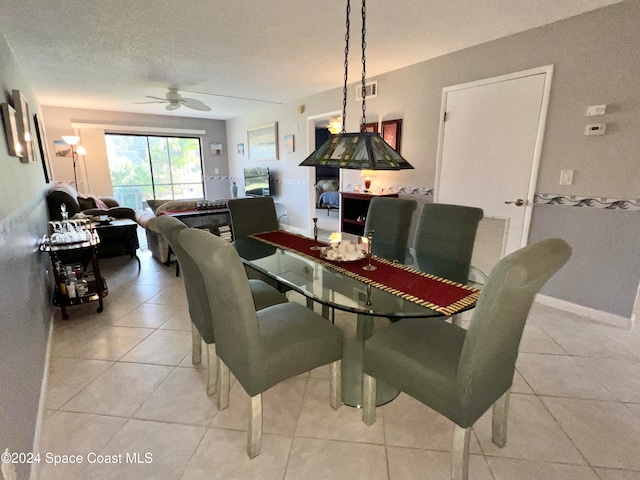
(311, 174)
(537, 152)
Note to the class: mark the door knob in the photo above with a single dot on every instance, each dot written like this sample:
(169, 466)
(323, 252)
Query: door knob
(519, 202)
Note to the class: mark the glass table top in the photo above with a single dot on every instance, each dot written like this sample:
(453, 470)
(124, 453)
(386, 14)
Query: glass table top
(326, 285)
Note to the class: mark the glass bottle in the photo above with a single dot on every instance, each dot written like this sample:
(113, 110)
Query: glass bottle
(71, 285)
(82, 286)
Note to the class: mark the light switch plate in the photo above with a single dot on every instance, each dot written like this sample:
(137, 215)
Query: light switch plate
(594, 110)
(566, 177)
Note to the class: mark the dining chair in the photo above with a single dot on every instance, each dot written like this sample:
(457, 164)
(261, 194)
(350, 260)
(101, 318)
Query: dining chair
(261, 348)
(390, 220)
(252, 215)
(201, 320)
(461, 373)
(444, 239)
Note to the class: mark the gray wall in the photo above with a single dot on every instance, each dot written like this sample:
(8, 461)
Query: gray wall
(25, 316)
(595, 58)
(58, 122)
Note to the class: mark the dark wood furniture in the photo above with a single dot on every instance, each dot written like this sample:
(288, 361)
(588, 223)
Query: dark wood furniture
(354, 211)
(97, 285)
(118, 237)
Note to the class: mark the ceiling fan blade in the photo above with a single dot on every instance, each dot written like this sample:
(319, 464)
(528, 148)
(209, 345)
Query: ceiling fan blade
(172, 106)
(195, 104)
(138, 103)
(156, 98)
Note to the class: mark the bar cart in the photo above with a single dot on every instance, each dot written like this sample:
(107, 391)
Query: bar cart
(67, 240)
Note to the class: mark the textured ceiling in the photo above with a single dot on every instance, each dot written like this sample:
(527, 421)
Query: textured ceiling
(109, 54)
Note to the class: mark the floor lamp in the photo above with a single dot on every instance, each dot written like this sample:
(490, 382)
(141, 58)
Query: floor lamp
(72, 140)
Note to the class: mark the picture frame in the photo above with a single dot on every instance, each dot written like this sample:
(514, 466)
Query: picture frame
(62, 149)
(240, 148)
(11, 130)
(392, 133)
(42, 146)
(215, 149)
(289, 144)
(23, 121)
(263, 142)
(370, 127)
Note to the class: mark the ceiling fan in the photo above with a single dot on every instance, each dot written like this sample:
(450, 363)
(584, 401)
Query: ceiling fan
(174, 101)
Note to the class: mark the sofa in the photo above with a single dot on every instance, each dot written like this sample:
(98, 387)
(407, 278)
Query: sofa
(156, 243)
(65, 194)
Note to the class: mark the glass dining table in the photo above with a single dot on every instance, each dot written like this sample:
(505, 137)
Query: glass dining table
(335, 289)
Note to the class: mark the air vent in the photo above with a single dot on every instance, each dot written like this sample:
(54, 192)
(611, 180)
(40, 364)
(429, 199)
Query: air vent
(370, 90)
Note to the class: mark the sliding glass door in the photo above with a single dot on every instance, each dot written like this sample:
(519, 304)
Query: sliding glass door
(154, 167)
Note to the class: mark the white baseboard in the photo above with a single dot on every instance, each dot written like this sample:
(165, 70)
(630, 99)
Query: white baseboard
(592, 313)
(35, 467)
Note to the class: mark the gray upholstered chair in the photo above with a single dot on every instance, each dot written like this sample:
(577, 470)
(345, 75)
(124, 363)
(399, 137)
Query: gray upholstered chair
(202, 324)
(461, 373)
(252, 215)
(261, 348)
(444, 239)
(390, 219)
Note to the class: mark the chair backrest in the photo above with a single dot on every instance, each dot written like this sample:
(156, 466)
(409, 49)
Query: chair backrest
(444, 240)
(490, 349)
(199, 311)
(252, 215)
(390, 219)
(238, 341)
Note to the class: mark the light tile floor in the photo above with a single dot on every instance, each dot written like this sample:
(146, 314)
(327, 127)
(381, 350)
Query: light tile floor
(122, 383)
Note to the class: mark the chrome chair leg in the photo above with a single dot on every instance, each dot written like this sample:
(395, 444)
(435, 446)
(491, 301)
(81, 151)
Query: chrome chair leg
(335, 385)
(368, 399)
(460, 453)
(212, 369)
(223, 385)
(196, 350)
(254, 438)
(499, 420)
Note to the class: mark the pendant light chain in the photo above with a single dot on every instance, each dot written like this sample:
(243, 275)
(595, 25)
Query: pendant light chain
(346, 69)
(364, 64)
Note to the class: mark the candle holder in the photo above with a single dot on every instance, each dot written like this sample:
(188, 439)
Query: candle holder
(370, 267)
(315, 234)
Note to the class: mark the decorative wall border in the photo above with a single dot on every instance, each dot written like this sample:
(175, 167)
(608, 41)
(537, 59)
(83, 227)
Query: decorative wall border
(351, 187)
(593, 202)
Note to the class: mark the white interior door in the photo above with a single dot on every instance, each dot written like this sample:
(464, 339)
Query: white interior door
(489, 150)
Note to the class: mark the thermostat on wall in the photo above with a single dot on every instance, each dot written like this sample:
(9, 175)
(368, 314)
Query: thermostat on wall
(595, 128)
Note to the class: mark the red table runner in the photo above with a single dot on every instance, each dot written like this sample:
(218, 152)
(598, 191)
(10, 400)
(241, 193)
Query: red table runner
(439, 294)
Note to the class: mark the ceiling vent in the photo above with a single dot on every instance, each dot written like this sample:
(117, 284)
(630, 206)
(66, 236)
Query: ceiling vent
(370, 90)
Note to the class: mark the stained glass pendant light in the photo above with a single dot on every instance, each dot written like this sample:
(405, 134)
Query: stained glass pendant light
(359, 151)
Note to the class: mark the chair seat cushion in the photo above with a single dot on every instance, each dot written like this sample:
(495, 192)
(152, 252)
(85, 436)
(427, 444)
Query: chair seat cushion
(294, 340)
(420, 357)
(265, 295)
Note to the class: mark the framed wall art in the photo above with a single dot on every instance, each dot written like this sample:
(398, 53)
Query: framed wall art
(370, 127)
(215, 149)
(11, 130)
(392, 133)
(24, 127)
(42, 146)
(289, 144)
(263, 142)
(240, 148)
